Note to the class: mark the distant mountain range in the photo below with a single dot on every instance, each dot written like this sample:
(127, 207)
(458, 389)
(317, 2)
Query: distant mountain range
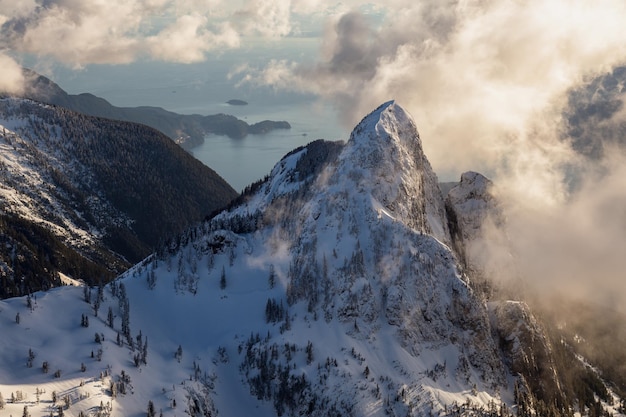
(186, 130)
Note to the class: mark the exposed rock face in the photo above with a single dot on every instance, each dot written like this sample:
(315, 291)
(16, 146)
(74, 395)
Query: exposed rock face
(527, 350)
(384, 158)
(469, 206)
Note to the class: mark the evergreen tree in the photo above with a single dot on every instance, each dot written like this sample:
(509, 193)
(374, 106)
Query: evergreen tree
(113, 389)
(223, 279)
(151, 411)
(144, 355)
(110, 317)
(272, 278)
(31, 358)
(231, 256)
(1, 401)
(287, 324)
(121, 294)
(96, 306)
(25, 413)
(100, 290)
(309, 352)
(151, 278)
(210, 261)
(179, 353)
(139, 341)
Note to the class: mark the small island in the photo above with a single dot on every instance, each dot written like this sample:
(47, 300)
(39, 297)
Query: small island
(237, 102)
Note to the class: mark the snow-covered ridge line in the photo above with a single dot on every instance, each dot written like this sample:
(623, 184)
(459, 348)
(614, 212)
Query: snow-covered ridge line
(330, 290)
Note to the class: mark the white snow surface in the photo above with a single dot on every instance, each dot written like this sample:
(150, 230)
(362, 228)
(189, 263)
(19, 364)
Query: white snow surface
(28, 161)
(376, 317)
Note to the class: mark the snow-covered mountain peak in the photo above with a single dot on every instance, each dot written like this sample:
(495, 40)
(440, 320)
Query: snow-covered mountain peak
(383, 122)
(322, 291)
(384, 158)
(376, 140)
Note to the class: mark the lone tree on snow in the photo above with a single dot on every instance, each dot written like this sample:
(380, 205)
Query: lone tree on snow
(223, 279)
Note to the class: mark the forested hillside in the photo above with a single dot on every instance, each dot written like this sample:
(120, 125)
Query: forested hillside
(108, 189)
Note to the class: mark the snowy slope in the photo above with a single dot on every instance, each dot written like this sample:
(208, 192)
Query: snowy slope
(330, 290)
(27, 190)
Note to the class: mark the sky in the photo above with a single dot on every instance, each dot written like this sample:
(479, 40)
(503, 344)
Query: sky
(487, 82)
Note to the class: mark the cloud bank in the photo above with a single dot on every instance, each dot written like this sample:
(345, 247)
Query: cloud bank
(487, 82)
(77, 33)
(12, 79)
(473, 73)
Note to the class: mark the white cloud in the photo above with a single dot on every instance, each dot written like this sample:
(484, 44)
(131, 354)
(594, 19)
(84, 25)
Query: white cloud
(264, 17)
(12, 79)
(187, 40)
(81, 32)
(487, 83)
(472, 73)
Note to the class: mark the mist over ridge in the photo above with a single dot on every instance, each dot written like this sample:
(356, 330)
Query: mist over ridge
(530, 94)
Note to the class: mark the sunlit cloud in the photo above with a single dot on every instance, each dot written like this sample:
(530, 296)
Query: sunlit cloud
(79, 33)
(487, 82)
(265, 17)
(472, 73)
(187, 40)
(12, 79)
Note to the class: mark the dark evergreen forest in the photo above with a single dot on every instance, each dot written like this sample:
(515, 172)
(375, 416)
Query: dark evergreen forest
(128, 181)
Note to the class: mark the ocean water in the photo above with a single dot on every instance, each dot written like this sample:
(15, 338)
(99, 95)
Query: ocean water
(204, 88)
(243, 161)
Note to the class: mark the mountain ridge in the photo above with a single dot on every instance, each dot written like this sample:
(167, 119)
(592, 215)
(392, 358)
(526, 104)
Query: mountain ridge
(96, 185)
(186, 130)
(321, 292)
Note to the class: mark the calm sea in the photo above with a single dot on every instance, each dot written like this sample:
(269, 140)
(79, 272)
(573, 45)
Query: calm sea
(204, 89)
(243, 161)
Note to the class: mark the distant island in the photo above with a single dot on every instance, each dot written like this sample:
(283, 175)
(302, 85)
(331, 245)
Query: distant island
(237, 102)
(188, 130)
